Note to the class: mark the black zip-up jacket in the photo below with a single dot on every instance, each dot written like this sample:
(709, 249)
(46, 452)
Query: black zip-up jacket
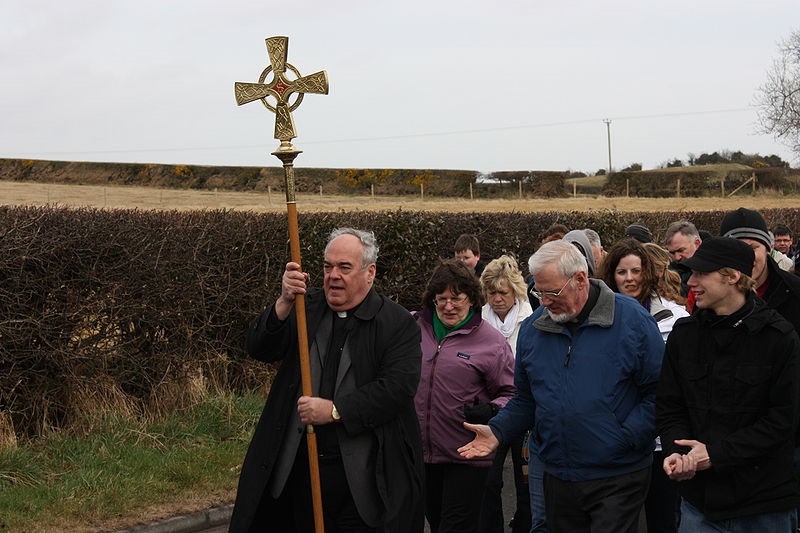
(783, 293)
(733, 383)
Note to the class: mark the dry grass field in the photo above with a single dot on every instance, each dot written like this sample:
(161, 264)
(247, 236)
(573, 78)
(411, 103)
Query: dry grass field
(16, 193)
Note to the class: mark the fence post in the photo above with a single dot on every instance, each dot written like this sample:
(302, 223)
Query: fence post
(678, 186)
(471, 197)
(372, 190)
(574, 189)
(320, 190)
(269, 194)
(421, 191)
(722, 186)
(627, 188)
(520, 189)
(753, 176)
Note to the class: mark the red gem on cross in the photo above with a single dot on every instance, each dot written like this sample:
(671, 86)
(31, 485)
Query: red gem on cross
(280, 88)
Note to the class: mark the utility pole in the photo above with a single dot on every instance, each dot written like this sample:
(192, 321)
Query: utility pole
(608, 130)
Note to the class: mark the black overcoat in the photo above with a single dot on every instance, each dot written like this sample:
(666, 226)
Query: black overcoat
(783, 293)
(386, 359)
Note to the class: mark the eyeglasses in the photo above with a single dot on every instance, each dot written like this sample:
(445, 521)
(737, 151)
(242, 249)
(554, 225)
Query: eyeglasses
(550, 294)
(441, 301)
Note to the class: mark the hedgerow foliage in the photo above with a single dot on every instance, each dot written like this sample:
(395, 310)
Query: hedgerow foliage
(127, 310)
(438, 182)
(693, 182)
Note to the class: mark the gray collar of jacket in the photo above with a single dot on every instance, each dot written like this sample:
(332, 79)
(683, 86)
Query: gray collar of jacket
(602, 314)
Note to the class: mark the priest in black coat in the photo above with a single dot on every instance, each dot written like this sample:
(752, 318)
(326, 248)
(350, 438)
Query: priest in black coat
(365, 362)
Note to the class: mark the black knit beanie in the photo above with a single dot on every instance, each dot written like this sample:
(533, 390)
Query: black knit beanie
(746, 224)
(639, 231)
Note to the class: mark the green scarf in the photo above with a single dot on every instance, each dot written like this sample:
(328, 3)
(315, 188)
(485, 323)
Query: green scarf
(441, 330)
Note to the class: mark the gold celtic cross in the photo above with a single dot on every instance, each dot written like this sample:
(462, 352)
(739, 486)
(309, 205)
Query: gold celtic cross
(281, 88)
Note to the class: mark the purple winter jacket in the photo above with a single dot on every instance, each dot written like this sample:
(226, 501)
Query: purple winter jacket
(472, 362)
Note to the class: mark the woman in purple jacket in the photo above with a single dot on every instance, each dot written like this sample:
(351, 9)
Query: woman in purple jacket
(467, 375)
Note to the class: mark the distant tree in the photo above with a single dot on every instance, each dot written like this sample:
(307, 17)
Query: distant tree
(690, 157)
(577, 175)
(600, 172)
(674, 163)
(727, 156)
(775, 161)
(633, 166)
(778, 99)
(710, 159)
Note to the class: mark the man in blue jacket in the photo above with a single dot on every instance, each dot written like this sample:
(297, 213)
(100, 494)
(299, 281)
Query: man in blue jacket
(588, 362)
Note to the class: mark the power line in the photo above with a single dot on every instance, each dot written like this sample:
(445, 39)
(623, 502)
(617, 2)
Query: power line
(531, 126)
(399, 136)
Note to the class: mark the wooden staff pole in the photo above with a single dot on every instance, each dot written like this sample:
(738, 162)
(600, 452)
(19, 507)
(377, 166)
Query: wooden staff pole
(280, 88)
(287, 157)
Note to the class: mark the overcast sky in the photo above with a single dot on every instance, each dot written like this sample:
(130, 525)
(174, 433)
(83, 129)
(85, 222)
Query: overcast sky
(502, 85)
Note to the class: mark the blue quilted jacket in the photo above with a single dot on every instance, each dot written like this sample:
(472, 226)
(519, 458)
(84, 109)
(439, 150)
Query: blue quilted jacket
(589, 395)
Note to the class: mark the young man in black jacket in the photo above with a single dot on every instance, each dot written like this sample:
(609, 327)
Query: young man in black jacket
(728, 400)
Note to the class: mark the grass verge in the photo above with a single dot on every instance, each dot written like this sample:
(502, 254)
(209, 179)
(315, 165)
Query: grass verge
(127, 471)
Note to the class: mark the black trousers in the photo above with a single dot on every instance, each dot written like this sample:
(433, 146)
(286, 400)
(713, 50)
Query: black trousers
(491, 519)
(293, 511)
(453, 493)
(600, 505)
(663, 503)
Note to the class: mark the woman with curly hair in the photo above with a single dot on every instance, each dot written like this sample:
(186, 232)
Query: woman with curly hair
(639, 271)
(629, 269)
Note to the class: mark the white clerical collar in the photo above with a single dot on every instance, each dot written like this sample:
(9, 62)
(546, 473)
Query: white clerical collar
(341, 314)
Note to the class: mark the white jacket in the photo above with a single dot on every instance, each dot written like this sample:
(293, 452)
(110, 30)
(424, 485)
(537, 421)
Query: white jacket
(666, 312)
(784, 262)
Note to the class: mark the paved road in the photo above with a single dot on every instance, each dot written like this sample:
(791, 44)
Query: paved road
(508, 512)
(508, 499)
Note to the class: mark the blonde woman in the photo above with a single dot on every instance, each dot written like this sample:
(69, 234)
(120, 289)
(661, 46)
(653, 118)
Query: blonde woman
(506, 298)
(506, 308)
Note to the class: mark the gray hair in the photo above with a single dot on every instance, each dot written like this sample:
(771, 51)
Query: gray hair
(681, 226)
(368, 242)
(567, 258)
(594, 237)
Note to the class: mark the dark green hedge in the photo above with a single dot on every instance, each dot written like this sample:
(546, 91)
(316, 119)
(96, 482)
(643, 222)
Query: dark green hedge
(102, 305)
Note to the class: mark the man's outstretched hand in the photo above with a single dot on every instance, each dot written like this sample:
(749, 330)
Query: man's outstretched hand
(482, 445)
